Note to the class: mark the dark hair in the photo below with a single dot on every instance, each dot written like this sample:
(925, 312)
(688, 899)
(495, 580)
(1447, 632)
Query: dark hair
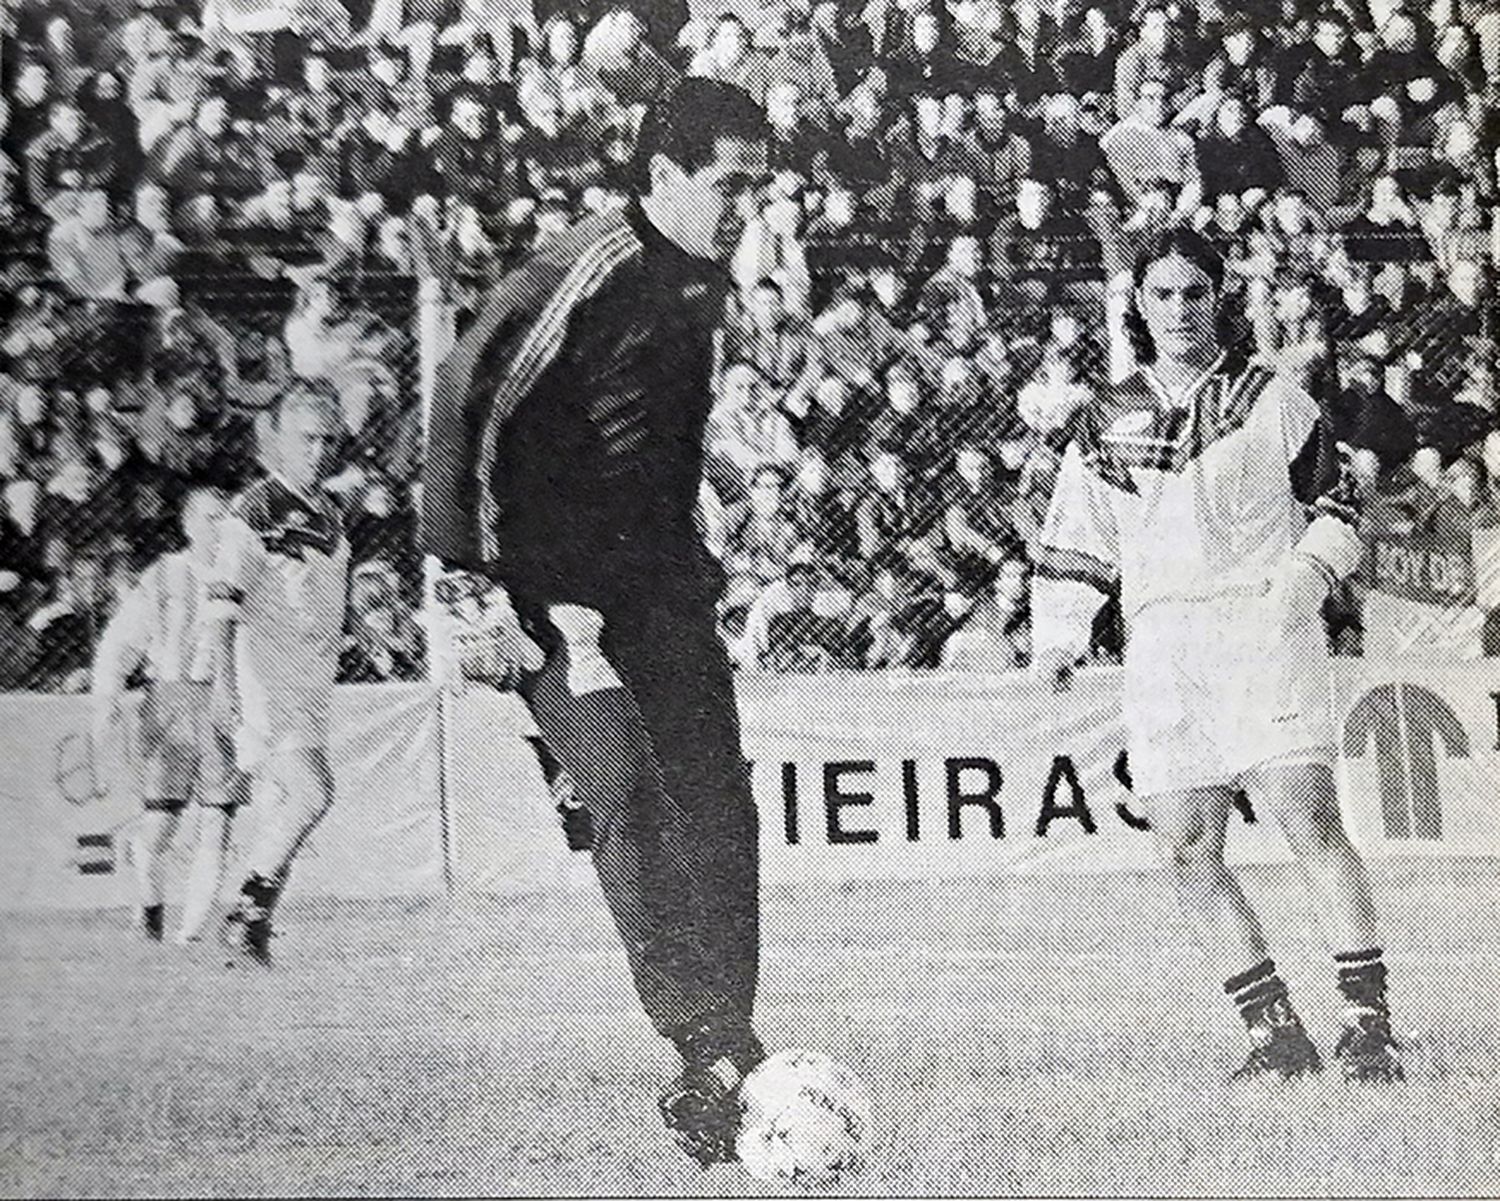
(687, 123)
(1178, 242)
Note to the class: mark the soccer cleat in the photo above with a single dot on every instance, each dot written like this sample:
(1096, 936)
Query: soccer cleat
(702, 1106)
(702, 1110)
(153, 919)
(1280, 1047)
(1367, 1049)
(247, 934)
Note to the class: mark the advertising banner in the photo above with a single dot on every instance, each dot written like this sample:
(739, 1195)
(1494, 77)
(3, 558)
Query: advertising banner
(66, 812)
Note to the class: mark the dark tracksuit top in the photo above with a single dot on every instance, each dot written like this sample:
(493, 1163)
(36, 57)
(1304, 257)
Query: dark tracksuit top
(564, 458)
(566, 446)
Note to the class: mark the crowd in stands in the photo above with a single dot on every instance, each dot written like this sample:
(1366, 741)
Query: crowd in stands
(202, 200)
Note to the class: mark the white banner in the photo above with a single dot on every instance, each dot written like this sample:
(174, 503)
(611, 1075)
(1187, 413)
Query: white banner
(1420, 755)
(856, 777)
(885, 776)
(65, 818)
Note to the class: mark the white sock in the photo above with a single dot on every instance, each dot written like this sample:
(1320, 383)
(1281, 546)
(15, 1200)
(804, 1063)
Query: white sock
(206, 873)
(150, 838)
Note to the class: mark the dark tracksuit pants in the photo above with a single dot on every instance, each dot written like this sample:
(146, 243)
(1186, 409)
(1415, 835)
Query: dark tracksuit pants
(660, 768)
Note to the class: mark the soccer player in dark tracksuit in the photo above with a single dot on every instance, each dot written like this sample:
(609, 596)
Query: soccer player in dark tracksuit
(564, 460)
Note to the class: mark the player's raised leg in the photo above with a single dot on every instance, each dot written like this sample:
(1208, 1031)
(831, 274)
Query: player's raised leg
(306, 794)
(1304, 798)
(678, 893)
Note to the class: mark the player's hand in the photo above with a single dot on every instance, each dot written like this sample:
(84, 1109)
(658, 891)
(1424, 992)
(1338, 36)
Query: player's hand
(1055, 668)
(1298, 590)
(485, 635)
(109, 716)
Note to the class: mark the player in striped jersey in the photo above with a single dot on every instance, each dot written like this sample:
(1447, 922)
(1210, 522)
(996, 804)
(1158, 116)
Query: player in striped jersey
(1178, 489)
(160, 629)
(278, 592)
(565, 460)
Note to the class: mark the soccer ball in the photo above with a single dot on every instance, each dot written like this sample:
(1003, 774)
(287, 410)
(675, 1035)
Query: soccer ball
(805, 1119)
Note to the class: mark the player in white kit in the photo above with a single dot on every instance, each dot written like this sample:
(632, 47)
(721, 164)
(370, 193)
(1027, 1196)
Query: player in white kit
(279, 589)
(1178, 489)
(159, 629)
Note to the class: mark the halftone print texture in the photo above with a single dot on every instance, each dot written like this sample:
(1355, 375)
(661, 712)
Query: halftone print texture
(951, 671)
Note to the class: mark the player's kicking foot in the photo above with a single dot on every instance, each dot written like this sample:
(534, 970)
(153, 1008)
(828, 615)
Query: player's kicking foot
(1280, 1047)
(701, 1107)
(1367, 1050)
(247, 927)
(153, 921)
(247, 935)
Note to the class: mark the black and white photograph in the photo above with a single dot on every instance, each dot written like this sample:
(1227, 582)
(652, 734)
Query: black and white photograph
(677, 598)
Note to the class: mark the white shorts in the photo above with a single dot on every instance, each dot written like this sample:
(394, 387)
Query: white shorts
(1212, 691)
(280, 713)
(183, 755)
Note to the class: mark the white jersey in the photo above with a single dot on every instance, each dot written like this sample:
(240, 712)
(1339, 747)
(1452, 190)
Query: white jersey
(1175, 499)
(282, 570)
(161, 624)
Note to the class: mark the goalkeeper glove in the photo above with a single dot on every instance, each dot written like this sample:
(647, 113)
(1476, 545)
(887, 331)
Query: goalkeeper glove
(487, 642)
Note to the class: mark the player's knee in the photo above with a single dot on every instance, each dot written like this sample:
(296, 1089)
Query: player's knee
(1186, 843)
(1317, 832)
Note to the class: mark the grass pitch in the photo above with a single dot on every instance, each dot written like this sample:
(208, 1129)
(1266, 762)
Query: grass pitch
(1034, 1036)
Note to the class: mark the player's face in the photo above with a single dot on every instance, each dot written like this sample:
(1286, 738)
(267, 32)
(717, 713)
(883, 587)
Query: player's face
(711, 206)
(304, 440)
(1177, 301)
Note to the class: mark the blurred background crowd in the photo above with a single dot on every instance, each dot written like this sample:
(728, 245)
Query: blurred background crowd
(201, 201)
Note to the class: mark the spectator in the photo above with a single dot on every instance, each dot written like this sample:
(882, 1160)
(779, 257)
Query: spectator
(978, 535)
(153, 245)
(1066, 156)
(208, 157)
(1144, 152)
(626, 63)
(1040, 248)
(31, 97)
(992, 638)
(63, 160)
(89, 255)
(1242, 68)
(1155, 57)
(807, 633)
(471, 162)
(1236, 157)
(730, 58)
(107, 114)
(167, 83)
(1002, 157)
(1087, 54)
(1322, 78)
(384, 642)
(760, 539)
(897, 520)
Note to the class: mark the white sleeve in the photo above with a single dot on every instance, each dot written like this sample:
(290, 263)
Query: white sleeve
(240, 558)
(126, 637)
(1078, 559)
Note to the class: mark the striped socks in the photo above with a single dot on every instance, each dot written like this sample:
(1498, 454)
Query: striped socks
(1260, 995)
(1362, 978)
